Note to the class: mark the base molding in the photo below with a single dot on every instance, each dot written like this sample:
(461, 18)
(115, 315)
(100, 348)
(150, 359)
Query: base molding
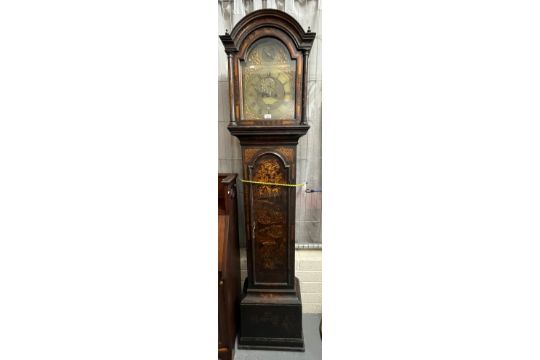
(282, 344)
(271, 321)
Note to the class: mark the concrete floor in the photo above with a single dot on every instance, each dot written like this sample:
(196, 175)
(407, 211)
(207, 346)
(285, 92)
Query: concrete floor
(312, 342)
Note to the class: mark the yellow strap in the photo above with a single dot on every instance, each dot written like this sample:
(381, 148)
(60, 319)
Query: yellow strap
(267, 183)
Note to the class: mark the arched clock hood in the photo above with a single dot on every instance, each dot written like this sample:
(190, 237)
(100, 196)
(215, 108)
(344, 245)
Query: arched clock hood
(253, 27)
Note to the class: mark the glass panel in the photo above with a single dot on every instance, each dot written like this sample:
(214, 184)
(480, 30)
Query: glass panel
(268, 75)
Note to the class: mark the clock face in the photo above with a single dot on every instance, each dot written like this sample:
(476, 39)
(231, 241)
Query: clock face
(268, 77)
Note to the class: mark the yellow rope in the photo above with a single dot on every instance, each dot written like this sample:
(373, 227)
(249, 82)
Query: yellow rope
(267, 183)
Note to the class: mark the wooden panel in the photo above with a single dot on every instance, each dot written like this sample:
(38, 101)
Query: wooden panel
(269, 220)
(223, 231)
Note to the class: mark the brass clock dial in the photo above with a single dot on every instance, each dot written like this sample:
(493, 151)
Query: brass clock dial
(268, 75)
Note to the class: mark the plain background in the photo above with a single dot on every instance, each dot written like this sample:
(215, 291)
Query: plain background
(430, 159)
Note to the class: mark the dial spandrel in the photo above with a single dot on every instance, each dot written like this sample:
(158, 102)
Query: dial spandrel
(268, 77)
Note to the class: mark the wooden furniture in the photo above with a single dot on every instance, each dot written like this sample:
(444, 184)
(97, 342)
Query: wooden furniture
(228, 266)
(267, 55)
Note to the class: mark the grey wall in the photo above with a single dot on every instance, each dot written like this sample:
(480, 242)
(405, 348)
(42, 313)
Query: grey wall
(308, 205)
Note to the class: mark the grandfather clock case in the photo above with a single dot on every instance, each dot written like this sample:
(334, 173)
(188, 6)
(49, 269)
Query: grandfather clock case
(267, 55)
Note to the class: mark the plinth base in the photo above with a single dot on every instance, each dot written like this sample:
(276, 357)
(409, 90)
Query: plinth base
(271, 321)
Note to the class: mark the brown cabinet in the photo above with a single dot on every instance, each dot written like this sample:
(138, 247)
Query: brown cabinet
(228, 266)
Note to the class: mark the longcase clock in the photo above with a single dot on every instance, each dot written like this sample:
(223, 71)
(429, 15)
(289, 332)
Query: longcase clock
(267, 55)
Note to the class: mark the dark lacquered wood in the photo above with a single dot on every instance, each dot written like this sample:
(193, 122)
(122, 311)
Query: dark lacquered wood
(271, 306)
(228, 266)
